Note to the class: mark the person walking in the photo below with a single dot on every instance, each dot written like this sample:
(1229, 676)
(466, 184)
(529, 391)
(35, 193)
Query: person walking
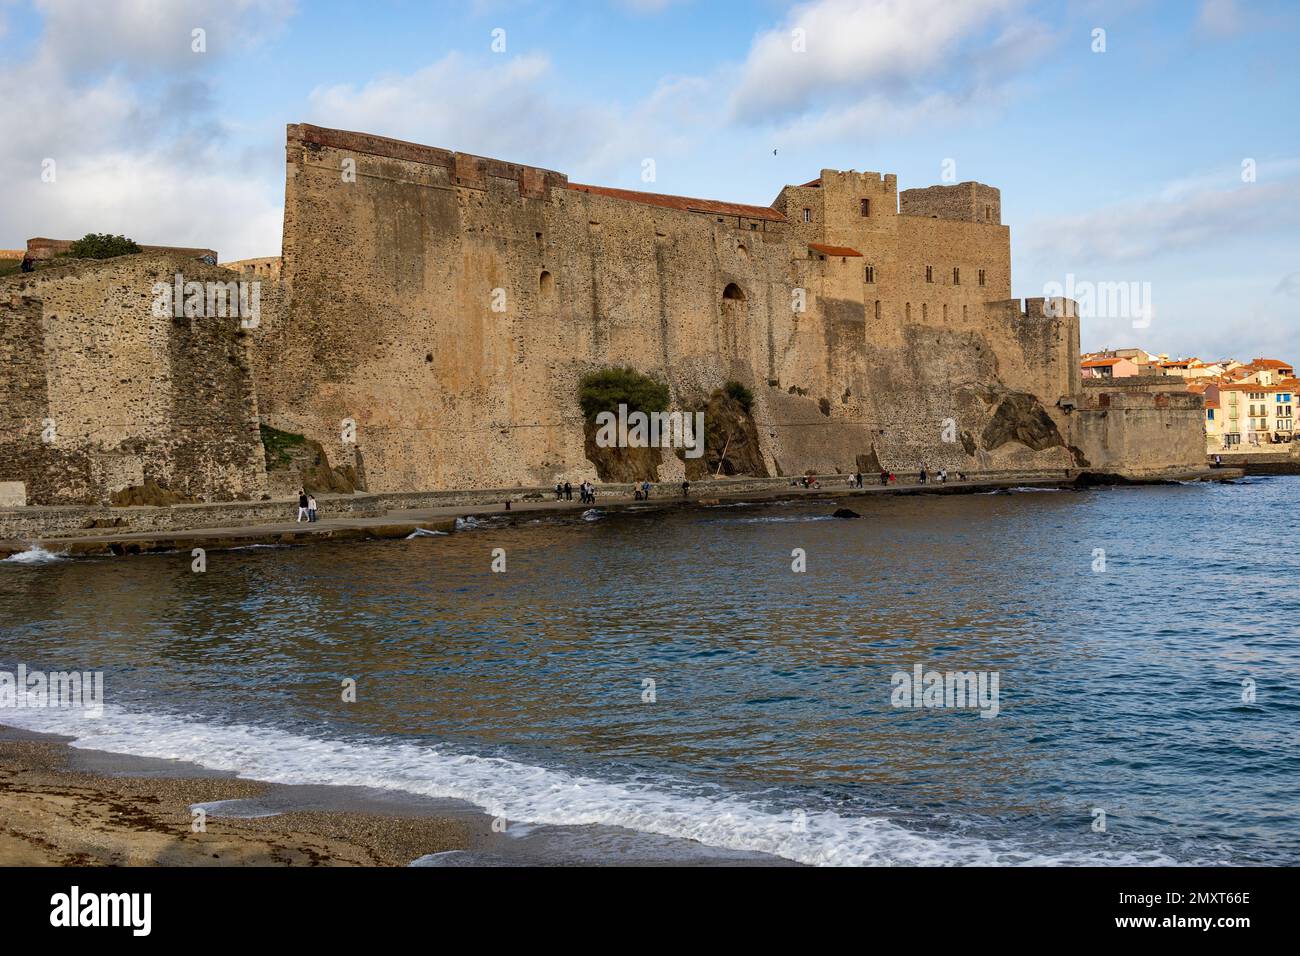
(645, 490)
(311, 509)
(559, 491)
(924, 473)
(568, 491)
(302, 505)
(686, 488)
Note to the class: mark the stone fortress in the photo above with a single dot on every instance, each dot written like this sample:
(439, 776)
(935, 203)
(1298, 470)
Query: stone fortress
(433, 312)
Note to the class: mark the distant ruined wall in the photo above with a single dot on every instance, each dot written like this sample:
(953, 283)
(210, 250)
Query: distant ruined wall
(129, 397)
(393, 253)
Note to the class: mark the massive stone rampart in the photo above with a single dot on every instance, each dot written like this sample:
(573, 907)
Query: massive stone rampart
(448, 305)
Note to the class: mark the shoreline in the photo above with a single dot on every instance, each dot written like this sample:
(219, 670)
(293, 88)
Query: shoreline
(60, 806)
(382, 522)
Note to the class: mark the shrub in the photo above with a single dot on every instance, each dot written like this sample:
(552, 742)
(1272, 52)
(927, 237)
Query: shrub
(741, 394)
(94, 245)
(605, 390)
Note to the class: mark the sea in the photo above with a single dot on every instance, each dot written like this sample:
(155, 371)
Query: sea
(1027, 677)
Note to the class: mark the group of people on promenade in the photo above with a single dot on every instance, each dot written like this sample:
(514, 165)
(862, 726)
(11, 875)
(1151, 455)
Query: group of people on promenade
(306, 506)
(887, 477)
(941, 476)
(586, 492)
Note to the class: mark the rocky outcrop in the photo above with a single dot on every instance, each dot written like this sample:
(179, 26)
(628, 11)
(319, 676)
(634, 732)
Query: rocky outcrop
(150, 493)
(1020, 417)
(731, 445)
(294, 461)
(621, 464)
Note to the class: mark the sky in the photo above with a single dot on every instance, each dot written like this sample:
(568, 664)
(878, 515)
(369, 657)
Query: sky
(1134, 141)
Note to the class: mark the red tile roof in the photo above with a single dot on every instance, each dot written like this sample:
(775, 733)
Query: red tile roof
(1097, 363)
(833, 250)
(685, 203)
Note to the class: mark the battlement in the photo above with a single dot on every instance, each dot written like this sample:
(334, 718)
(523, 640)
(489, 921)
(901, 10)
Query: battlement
(856, 181)
(465, 169)
(965, 202)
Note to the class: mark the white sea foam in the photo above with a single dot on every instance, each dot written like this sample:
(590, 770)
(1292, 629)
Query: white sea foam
(423, 533)
(35, 555)
(524, 793)
(592, 514)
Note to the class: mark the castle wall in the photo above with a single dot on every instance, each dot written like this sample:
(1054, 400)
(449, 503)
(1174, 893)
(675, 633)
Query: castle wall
(395, 321)
(125, 396)
(1138, 433)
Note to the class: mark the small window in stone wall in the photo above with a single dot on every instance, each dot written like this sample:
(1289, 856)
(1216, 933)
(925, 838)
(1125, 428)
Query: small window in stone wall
(981, 277)
(865, 206)
(988, 213)
(870, 275)
(956, 276)
(807, 215)
(877, 309)
(929, 273)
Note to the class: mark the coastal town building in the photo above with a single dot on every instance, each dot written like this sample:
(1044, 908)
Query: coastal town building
(1115, 367)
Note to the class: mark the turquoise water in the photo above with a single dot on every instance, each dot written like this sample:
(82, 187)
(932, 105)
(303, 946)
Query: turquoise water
(771, 726)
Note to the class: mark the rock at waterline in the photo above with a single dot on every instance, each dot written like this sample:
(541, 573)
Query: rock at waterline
(845, 513)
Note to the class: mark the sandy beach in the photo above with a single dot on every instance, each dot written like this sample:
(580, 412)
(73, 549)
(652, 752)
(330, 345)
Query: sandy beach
(57, 810)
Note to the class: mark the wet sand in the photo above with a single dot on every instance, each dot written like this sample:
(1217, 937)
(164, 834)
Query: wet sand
(66, 806)
(60, 807)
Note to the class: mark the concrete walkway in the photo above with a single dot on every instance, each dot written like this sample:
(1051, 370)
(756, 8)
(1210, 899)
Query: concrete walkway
(400, 523)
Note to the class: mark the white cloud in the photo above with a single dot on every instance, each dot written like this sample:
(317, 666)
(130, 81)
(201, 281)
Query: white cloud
(508, 109)
(1190, 214)
(140, 36)
(857, 48)
(108, 95)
